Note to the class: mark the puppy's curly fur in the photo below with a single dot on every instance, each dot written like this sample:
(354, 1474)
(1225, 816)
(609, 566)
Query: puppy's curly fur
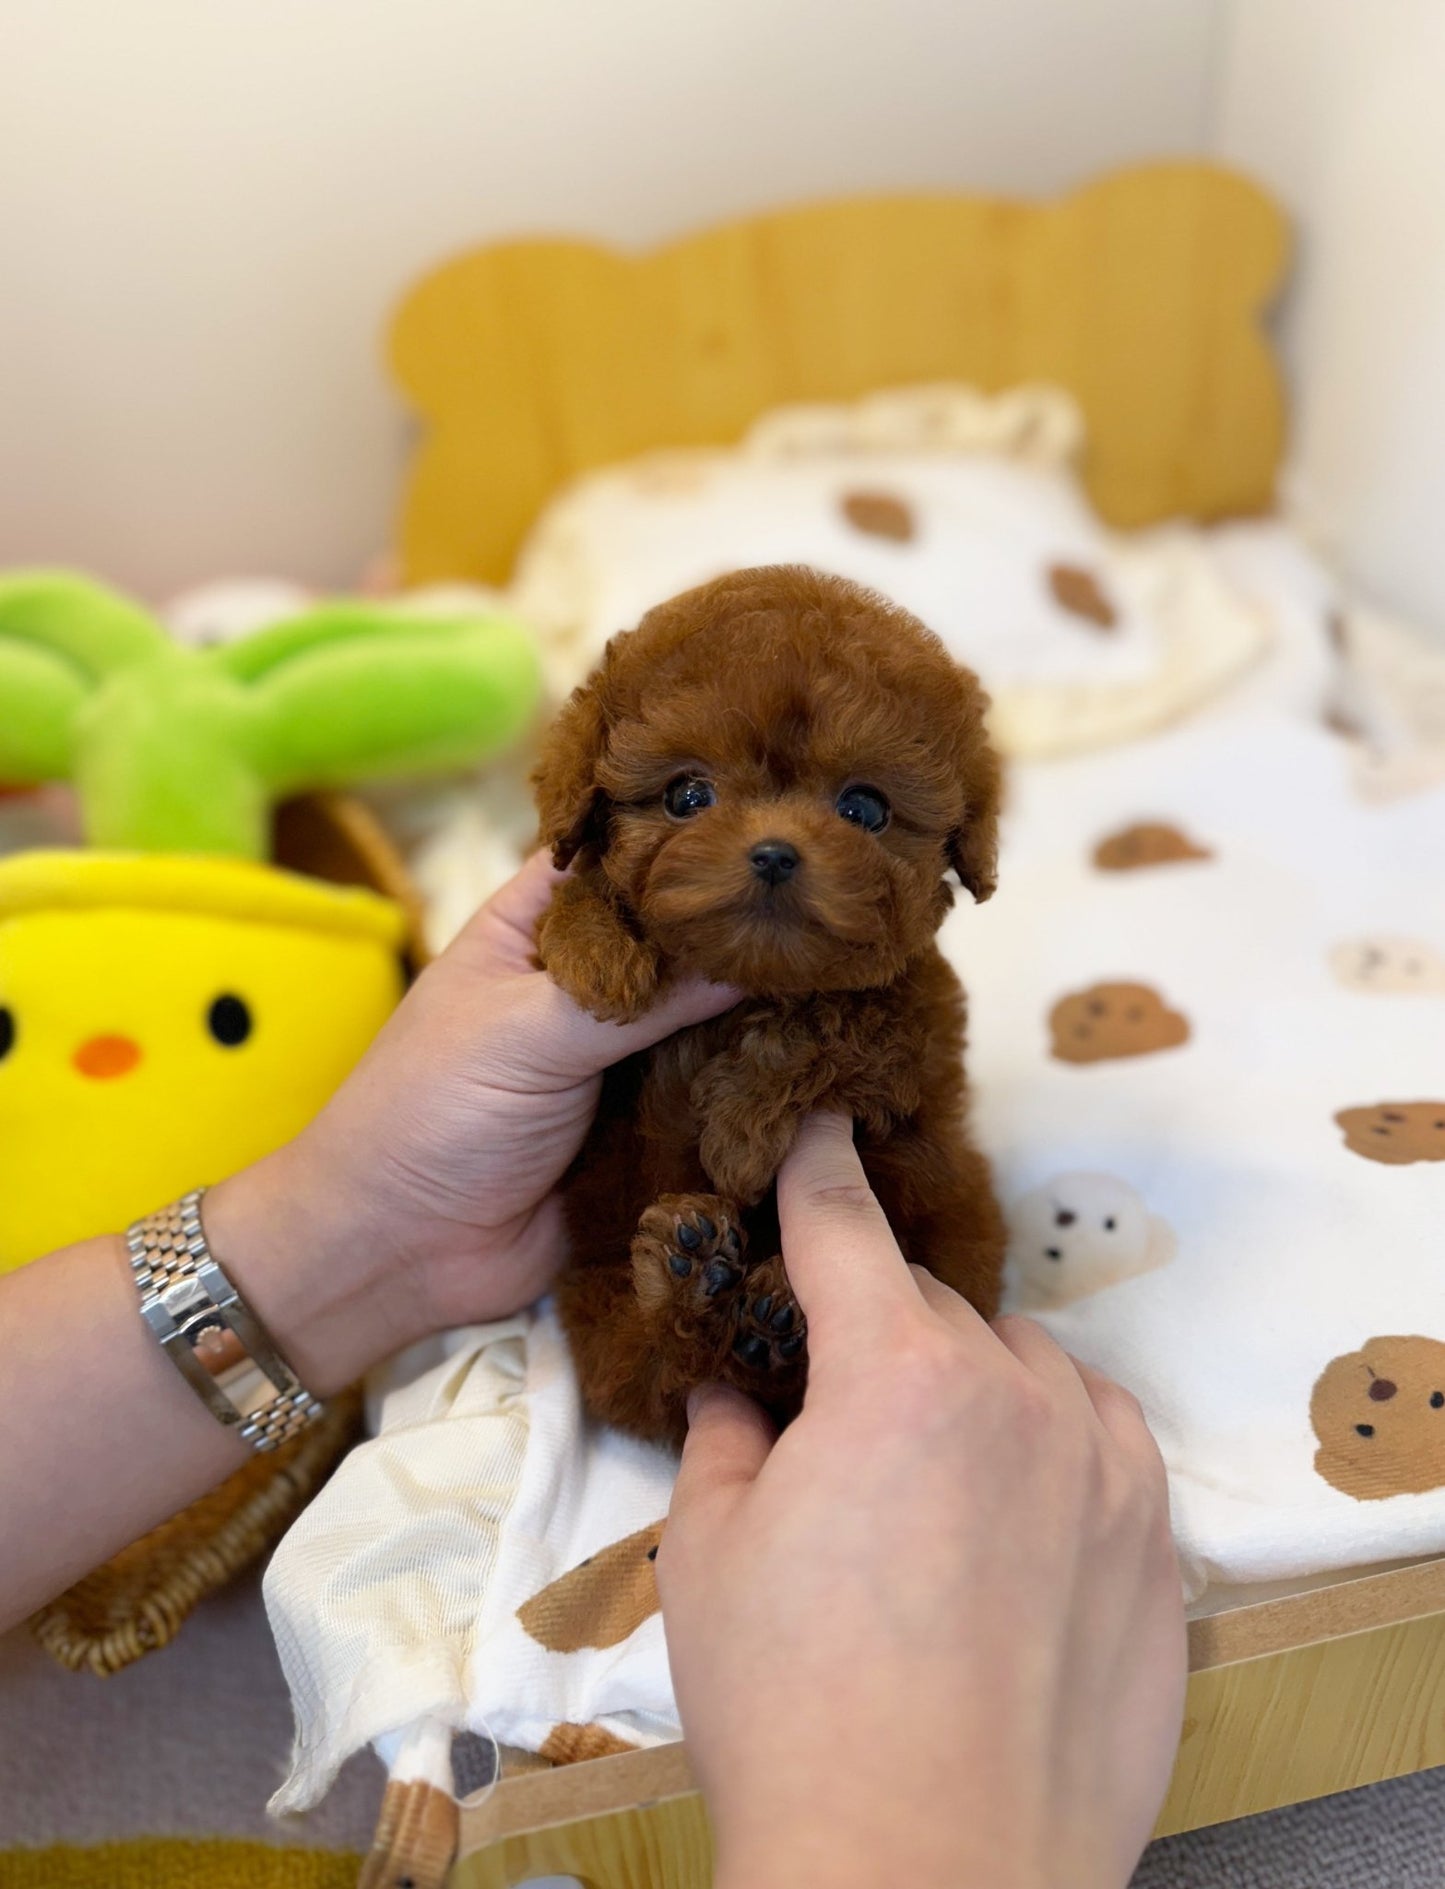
(695, 786)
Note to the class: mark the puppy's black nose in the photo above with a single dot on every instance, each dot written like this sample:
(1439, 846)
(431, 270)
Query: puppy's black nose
(773, 860)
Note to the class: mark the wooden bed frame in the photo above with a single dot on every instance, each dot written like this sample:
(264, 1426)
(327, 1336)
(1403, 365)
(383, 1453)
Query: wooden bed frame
(1144, 295)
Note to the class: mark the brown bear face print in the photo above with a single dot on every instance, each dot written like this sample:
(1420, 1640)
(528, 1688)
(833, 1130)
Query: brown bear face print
(1108, 1021)
(601, 1601)
(879, 515)
(1146, 843)
(1396, 1133)
(1379, 1415)
(1077, 590)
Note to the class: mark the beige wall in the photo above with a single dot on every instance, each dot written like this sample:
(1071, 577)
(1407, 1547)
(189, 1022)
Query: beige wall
(207, 207)
(1340, 106)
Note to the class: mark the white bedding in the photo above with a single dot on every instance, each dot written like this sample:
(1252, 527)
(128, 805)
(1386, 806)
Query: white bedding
(1306, 958)
(1229, 1253)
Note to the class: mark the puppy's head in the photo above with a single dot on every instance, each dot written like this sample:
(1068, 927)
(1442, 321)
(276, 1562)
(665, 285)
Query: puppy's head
(774, 773)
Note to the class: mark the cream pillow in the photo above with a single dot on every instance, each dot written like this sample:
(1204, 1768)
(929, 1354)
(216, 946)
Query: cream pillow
(962, 507)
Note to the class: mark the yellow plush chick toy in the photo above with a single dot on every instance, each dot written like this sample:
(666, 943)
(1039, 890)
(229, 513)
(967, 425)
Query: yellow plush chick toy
(168, 1014)
(165, 1021)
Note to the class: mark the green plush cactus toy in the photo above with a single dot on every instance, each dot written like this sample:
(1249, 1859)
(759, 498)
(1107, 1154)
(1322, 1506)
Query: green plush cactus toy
(174, 749)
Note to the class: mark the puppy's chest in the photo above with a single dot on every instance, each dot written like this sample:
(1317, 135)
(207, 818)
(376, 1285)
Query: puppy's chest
(847, 1047)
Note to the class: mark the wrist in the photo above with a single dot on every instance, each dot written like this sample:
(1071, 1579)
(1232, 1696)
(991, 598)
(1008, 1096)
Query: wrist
(928, 1846)
(300, 1249)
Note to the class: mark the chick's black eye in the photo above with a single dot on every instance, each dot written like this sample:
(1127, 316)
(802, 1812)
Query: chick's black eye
(7, 1030)
(687, 795)
(865, 807)
(229, 1021)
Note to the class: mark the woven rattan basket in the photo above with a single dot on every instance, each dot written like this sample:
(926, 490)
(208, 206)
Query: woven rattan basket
(138, 1601)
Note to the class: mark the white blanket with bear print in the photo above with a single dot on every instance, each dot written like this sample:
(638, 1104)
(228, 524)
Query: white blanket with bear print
(1208, 1055)
(1208, 1047)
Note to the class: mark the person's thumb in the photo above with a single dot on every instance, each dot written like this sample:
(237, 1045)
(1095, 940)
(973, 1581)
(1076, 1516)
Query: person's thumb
(557, 1039)
(728, 1439)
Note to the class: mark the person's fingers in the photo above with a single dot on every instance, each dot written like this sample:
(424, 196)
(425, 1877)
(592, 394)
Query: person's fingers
(679, 1005)
(502, 933)
(1120, 1413)
(1039, 1354)
(555, 1042)
(526, 895)
(728, 1440)
(935, 1294)
(843, 1261)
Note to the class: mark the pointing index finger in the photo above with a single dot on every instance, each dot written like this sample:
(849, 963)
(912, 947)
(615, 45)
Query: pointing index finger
(843, 1261)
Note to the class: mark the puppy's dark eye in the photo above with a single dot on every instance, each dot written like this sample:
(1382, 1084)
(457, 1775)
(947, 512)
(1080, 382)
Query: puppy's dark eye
(229, 1021)
(7, 1031)
(687, 795)
(865, 807)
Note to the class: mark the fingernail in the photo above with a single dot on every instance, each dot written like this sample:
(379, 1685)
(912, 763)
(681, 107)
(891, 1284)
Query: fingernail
(696, 1398)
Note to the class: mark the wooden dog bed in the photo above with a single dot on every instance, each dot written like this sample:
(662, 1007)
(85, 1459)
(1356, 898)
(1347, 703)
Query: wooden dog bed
(1142, 294)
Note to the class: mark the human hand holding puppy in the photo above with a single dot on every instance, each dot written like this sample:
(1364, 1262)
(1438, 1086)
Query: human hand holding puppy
(422, 1197)
(933, 1633)
(936, 1629)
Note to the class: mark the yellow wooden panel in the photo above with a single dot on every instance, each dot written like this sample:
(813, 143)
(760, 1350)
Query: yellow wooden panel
(1142, 293)
(1261, 1732)
(657, 1846)
(1323, 1718)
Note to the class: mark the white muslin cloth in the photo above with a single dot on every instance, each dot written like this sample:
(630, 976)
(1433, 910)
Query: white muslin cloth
(394, 1597)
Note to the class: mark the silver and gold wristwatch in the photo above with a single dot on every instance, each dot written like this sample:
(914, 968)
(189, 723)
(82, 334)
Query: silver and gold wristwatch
(219, 1345)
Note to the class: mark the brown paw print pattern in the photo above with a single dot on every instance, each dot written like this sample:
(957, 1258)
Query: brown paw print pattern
(880, 515)
(1108, 1021)
(1379, 1415)
(1146, 843)
(601, 1601)
(1396, 1133)
(1077, 590)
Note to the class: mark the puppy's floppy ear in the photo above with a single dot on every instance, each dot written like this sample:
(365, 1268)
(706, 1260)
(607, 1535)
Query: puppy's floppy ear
(973, 843)
(571, 806)
(973, 854)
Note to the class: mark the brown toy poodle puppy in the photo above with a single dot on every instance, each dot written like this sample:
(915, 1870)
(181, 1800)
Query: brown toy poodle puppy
(763, 784)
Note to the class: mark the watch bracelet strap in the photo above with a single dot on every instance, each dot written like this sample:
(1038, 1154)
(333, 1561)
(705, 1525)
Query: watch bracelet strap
(215, 1340)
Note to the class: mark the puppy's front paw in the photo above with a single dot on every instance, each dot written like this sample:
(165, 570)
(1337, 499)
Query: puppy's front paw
(688, 1255)
(584, 947)
(771, 1330)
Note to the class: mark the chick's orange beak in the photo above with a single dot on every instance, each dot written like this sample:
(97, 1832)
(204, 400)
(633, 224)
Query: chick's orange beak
(106, 1056)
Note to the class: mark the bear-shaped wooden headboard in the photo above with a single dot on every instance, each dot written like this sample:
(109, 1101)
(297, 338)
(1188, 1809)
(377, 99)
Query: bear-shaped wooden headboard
(1142, 293)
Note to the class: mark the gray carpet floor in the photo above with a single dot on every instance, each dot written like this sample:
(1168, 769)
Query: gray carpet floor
(82, 1760)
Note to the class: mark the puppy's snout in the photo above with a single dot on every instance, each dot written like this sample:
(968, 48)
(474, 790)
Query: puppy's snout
(773, 861)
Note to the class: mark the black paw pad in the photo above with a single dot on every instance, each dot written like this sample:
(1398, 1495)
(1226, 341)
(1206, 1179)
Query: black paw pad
(719, 1276)
(751, 1349)
(679, 1265)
